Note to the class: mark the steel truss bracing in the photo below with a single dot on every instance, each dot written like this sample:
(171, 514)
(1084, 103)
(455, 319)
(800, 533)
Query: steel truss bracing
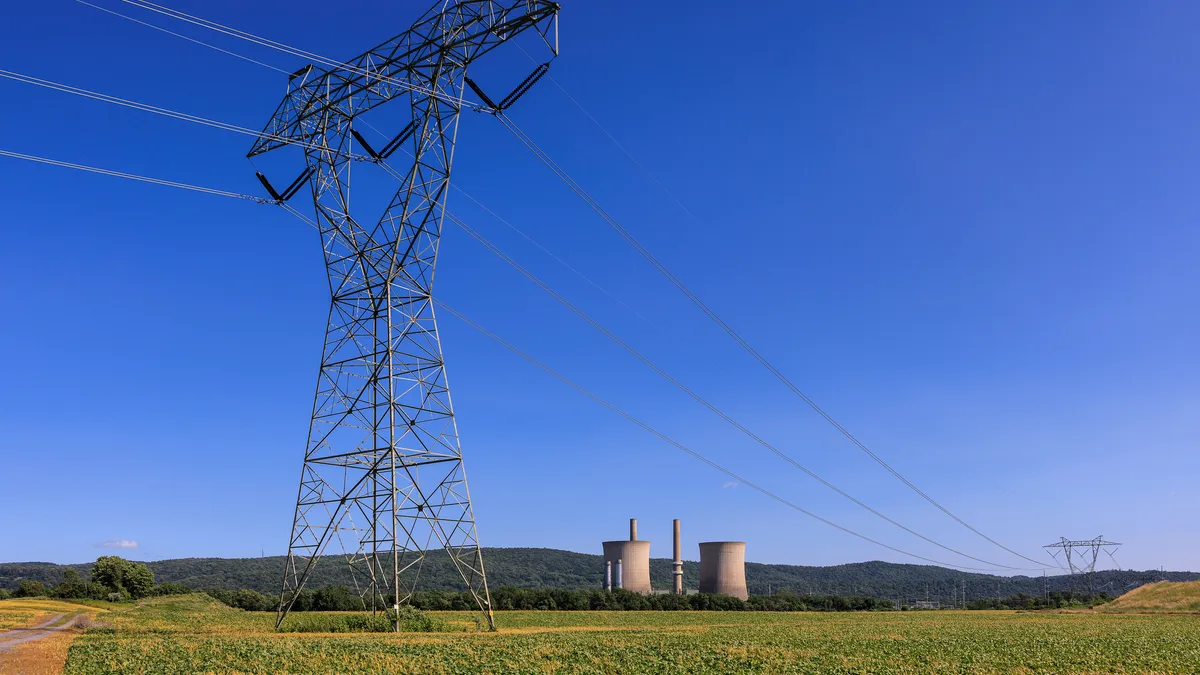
(1082, 556)
(383, 478)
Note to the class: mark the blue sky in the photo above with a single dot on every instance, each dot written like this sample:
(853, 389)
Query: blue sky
(967, 230)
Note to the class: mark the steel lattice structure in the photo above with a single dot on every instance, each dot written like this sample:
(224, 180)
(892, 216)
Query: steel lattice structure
(1082, 562)
(383, 476)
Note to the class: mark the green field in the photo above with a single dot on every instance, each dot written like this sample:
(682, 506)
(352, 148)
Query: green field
(194, 635)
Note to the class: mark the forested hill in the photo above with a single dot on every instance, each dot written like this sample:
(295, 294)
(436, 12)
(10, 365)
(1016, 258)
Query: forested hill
(550, 568)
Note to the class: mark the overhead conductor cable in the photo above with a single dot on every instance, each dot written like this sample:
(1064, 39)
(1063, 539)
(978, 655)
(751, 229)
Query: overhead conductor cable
(712, 315)
(685, 389)
(684, 448)
(595, 205)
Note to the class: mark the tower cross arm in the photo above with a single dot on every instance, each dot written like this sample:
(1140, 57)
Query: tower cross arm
(458, 31)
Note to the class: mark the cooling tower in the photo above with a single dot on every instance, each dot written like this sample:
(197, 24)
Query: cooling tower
(723, 568)
(635, 564)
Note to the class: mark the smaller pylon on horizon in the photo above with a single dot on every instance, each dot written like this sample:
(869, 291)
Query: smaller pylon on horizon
(1082, 555)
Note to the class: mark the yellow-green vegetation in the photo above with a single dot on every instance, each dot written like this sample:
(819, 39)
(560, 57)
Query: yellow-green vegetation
(24, 612)
(47, 655)
(191, 634)
(1166, 597)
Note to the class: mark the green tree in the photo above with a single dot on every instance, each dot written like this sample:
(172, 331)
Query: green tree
(30, 589)
(71, 586)
(118, 575)
(138, 580)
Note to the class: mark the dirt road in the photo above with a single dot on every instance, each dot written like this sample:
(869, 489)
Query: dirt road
(19, 636)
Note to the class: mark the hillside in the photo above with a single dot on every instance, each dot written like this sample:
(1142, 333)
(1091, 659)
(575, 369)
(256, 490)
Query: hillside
(551, 568)
(1164, 597)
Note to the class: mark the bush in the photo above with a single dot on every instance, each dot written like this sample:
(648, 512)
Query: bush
(30, 589)
(252, 601)
(5, 594)
(120, 576)
(172, 588)
(412, 620)
(337, 599)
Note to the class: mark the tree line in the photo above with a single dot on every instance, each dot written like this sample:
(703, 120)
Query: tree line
(1053, 600)
(342, 599)
(115, 579)
(111, 578)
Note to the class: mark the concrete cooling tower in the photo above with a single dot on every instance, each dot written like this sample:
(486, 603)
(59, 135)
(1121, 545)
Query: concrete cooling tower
(629, 562)
(723, 568)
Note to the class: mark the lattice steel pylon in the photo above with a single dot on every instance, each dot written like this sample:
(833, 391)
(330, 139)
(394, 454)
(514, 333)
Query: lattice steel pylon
(383, 476)
(1083, 563)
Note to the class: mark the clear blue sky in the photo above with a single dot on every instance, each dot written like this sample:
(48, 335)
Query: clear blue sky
(967, 229)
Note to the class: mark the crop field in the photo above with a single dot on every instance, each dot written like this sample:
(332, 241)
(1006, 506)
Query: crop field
(192, 634)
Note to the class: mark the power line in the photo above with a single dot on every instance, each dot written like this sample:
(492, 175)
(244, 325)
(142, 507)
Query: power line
(611, 137)
(550, 253)
(516, 266)
(146, 107)
(514, 228)
(753, 486)
(135, 177)
(294, 51)
(685, 389)
(487, 244)
(712, 315)
(182, 36)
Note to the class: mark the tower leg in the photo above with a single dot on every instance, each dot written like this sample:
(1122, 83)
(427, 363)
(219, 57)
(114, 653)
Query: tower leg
(383, 481)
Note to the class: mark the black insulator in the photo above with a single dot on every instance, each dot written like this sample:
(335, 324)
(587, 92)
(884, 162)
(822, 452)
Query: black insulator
(400, 138)
(300, 73)
(365, 145)
(525, 86)
(479, 92)
(267, 184)
(296, 184)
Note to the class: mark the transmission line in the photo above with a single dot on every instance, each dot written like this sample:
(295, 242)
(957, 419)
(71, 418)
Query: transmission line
(184, 37)
(135, 177)
(753, 486)
(611, 137)
(562, 174)
(712, 315)
(490, 246)
(156, 110)
(294, 51)
(687, 390)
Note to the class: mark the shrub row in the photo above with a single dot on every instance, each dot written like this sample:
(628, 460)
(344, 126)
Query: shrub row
(341, 599)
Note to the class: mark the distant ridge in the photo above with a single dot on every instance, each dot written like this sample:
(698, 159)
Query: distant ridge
(552, 568)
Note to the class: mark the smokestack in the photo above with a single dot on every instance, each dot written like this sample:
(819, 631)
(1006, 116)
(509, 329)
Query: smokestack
(633, 529)
(608, 575)
(620, 582)
(677, 572)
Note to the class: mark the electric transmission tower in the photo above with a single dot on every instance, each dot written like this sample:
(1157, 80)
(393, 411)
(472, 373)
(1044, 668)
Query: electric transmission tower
(1081, 556)
(383, 479)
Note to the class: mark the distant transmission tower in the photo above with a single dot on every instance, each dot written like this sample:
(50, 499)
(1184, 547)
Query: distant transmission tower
(1081, 556)
(383, 479)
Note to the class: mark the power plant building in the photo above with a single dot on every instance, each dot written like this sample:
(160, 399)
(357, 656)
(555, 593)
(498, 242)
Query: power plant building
(723, 568)
(627, 563)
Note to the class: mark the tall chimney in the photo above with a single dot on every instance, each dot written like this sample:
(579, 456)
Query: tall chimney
(677, 572)
(608, 575)
(620, 581)
(633, 529)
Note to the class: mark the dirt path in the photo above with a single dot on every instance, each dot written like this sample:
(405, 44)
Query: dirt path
(19, 636)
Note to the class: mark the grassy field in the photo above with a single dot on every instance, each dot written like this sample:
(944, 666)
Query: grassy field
(23, 612)
(45, 656)
(194, 635)
(1163, 597)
